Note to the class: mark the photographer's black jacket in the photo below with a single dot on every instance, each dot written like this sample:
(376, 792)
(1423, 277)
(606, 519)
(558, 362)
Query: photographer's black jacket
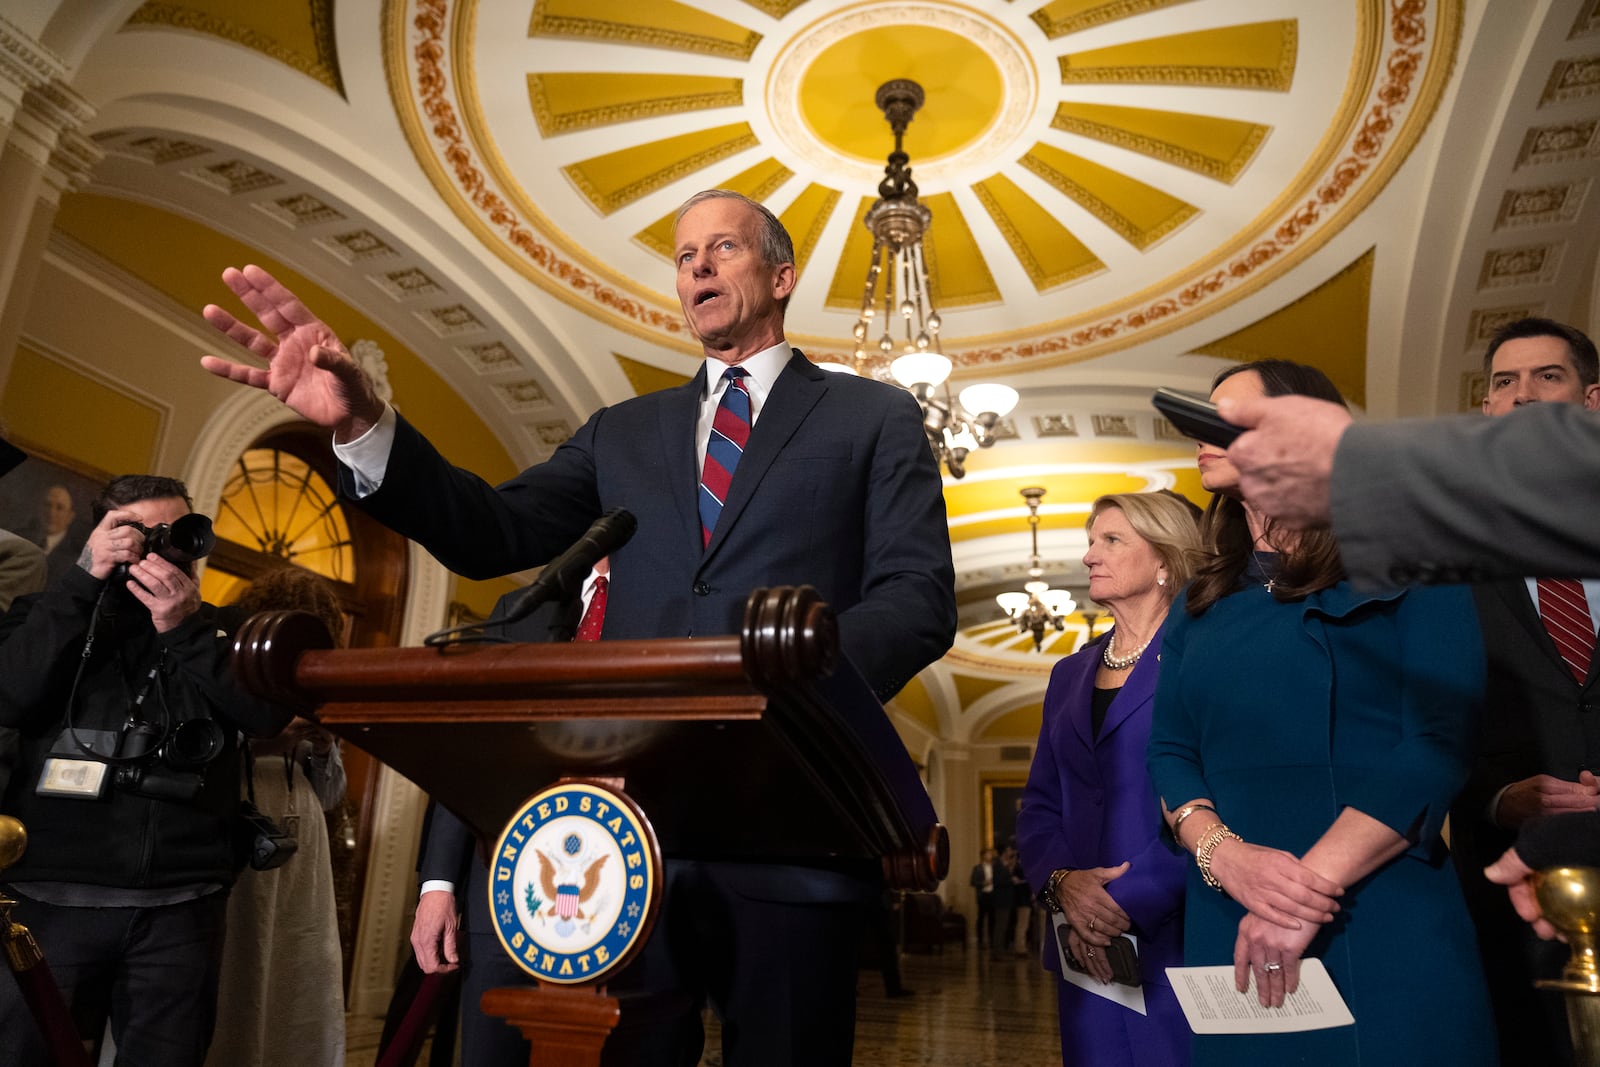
(121, 839)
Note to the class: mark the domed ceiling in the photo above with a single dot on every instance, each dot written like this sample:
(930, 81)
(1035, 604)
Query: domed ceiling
(1125, 194)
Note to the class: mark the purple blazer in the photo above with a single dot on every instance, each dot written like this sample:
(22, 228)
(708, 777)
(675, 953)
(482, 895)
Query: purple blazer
(1089, 803)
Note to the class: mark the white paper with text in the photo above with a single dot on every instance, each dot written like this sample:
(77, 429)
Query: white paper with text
(1213, 1006)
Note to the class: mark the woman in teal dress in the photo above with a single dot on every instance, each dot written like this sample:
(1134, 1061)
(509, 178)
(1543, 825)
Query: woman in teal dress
(1307, 741)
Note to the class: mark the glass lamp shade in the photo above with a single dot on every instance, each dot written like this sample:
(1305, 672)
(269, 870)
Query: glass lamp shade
(837, 368)
(1012, 603)
(920, 368)
(989, 397)
(1036, 586)
(1059, 601)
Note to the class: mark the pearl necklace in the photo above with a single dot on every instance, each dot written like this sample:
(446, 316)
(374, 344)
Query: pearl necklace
(1125, 662)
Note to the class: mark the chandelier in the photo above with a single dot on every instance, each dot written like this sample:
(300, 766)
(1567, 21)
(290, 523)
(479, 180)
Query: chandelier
(1038, 607)
(897, 282)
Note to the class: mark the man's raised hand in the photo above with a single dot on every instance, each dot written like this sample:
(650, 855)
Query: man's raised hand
(308, 368)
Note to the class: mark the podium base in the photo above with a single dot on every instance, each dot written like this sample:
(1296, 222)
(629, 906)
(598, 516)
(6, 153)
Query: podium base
(569, 1027)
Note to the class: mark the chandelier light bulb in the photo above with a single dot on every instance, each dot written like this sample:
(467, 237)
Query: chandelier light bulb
(1012, 603)
(907, 309)
(989, 398)
(886, 344)
(934, 322)
(920, 368)
(860, 331)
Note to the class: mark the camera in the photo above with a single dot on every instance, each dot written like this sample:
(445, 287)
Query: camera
(167, 764)
(179, 543)
(259, 841)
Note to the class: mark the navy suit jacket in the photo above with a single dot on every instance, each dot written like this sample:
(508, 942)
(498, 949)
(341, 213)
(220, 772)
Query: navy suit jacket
(1089, 803)
(837, 489)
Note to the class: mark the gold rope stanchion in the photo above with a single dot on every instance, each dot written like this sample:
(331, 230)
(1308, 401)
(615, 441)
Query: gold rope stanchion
(29, 967)
(1569, 897)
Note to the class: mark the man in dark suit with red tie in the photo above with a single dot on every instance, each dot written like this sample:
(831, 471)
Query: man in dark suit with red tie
(782, 474)
(1540, 742)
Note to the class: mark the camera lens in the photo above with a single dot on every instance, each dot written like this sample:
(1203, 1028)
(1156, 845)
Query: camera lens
(193, 744)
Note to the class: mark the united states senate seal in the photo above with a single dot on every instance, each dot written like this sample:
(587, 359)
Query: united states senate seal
(575, 882)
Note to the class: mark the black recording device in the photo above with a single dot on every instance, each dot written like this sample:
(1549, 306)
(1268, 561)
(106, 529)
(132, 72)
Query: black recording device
(259, 841)
(179, 543)
(1195, 417)
(562, 579)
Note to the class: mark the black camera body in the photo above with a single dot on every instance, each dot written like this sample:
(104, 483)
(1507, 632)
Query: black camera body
(167, 764)
(179, 543)
(261, 842)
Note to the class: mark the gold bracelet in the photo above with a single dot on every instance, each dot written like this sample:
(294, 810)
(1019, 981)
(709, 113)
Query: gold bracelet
(1183, 813)
(1208, 844)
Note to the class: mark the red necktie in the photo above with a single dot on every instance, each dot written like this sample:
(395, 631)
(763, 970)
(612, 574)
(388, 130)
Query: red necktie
(1565, 611)
(594, 616)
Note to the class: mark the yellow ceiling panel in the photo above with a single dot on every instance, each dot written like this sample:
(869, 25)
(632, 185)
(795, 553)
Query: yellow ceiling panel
(298, 35)
(851, 273)
(1326, 328)
(757, 182)
(648, 378)
(1061, 17)
(1003, 495)
(1046, 249)
(1257, 55)
(617, 178)
(658, 24)
(776, 8)
(563, 102)
(1216, 147)
(970, 689)
(963, 89)
(1140, 214)
(1022, 722)
(111, 431)
(806, 218)
(956, 268)
(1085, 449)
(916, 703)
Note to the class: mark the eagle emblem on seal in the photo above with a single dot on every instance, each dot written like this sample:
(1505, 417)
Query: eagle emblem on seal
(568, 882)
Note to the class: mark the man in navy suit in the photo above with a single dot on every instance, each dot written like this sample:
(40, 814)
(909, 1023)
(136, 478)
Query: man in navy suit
(835, 487)
(1540, 741)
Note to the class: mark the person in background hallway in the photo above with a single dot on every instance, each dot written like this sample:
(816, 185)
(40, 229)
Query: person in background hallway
(1311, 738)
(1021, 905)
(454, 890)
(984, 880)
(1089, 828)
(1539, 737)
(280, 999)
(764, 470)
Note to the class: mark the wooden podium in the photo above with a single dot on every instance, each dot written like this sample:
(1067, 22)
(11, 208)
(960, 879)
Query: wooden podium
(761, 746)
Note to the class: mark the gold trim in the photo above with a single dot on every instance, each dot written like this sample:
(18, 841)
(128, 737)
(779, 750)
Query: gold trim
(1096, 16)
(1019, 246)
(1224, 170)
(544, 25)
(324, 68)
(1277, 80)
(606, 204)
(1124, 226)
(775, 8)
(807, 242)
(589, 118)
(464, 188)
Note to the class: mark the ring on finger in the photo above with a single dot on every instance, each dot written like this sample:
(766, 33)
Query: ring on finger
(1090, 953)
(1271, 967)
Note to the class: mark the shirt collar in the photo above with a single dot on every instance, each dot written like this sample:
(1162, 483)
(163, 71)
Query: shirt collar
(764, 367)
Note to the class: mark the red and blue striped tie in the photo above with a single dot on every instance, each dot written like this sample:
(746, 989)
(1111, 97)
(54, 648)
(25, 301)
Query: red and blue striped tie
(730, 429)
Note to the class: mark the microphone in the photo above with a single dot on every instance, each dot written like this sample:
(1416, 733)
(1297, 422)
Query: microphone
(562, 578)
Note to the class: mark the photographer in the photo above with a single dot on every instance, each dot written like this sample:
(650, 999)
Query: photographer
(118, 678)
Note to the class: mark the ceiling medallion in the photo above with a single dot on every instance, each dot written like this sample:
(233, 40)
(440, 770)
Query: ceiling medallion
(786, 126)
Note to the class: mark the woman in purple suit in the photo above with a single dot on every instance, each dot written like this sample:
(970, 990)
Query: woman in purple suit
(1090, 826)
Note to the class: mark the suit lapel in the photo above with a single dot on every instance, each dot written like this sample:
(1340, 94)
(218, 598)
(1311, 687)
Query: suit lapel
(793, 395)
(1136, 691)
(679, 415)
(1081, 695)
(1514, 593)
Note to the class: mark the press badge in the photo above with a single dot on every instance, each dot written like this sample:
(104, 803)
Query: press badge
(63, 777)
